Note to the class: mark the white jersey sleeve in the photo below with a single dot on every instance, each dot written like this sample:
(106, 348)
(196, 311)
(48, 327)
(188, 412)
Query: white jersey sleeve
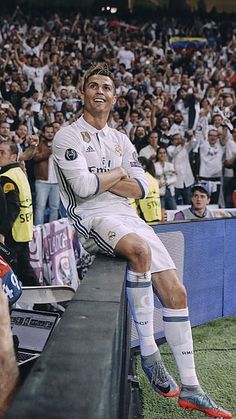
(71, 164)
(132, 165)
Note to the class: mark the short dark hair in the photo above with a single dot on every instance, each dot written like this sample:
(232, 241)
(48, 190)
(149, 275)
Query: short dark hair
(13, 148)
(147, 165)
(99, 69)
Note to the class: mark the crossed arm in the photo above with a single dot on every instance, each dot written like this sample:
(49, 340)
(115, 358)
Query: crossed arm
(118, 182)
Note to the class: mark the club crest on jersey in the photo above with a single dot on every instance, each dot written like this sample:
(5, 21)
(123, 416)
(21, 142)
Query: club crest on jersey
(71, 154)
(118, 149)
(111, 235)
(86, 136)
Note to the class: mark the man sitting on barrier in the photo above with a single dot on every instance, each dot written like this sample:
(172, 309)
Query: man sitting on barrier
(200, 200)
(98, 169)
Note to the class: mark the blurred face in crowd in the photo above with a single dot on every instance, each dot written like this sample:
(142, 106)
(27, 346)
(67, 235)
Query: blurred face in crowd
(4, 130)
(211, 92)
(22, 131)
(147, 112)
(176, 139)
(178, 117)
(161, 155)
(56, 127)
(14, 87)
(217, 121)
(48, 133)
(140, 132)
(164, 124)
(24, 86)
(121, 102)
(35, 62)
(59, 117)
(212, 137)
(134, 118)
(153, 139)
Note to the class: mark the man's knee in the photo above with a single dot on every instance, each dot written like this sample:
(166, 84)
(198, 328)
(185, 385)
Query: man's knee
(137, 251)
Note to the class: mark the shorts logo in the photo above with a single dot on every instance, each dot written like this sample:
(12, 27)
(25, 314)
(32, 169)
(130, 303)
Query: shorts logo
(118, 150)
(111, 235)
(86, 137)
(71, 154)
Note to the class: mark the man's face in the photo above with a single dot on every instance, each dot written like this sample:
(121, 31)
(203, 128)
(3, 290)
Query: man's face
(49, 133)
(164, 124)
(134, 118)
(35, 62)
(199, 200)
(59, 117)
(99, 96)
(56, 127)
(5, 155)
(212, 137)
(5, 130)
(14, 87)
(178, 118)
(153, 139)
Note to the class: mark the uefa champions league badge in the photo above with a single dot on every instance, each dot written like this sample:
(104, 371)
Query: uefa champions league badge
(71, 154)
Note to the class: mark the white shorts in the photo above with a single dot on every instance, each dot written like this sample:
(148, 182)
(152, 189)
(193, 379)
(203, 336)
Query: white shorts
(106, 231)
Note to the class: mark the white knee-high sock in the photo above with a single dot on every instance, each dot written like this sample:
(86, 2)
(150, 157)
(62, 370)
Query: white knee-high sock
(179, 337)
(140, 297)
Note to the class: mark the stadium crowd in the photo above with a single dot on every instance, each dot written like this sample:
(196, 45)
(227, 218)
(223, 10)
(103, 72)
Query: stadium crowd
(173, 100)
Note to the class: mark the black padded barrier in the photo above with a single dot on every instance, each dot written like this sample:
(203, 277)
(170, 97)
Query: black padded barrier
(82, 373)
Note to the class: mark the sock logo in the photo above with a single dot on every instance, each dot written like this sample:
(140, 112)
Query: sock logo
(187, 352)
(141, 323)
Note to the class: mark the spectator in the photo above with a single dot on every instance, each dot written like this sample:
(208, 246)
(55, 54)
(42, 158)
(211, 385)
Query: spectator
(179, 154)
(163, 132)
(150, 150)
(18, 230)
(178, 125)
(140, 138)
(35, 71)
(166, 175)
(126, 56)
(46, 186)
(211, 164)
(200, 200)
